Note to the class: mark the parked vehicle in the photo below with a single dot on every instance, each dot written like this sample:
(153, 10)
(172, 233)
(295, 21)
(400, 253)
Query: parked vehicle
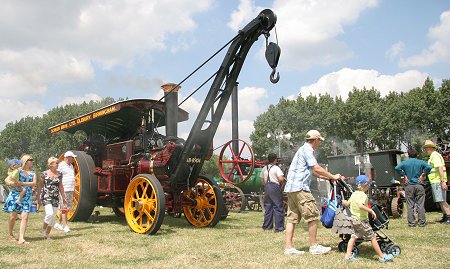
(126, 163)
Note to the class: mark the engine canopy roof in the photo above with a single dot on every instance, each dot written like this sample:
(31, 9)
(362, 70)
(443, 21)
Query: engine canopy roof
(118, 119)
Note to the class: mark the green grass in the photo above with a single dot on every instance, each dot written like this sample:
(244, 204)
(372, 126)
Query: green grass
(237, 242)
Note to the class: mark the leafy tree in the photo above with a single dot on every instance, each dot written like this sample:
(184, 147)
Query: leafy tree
(210, 167)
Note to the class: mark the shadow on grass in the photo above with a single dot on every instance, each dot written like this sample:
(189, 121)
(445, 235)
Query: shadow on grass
(53, 237)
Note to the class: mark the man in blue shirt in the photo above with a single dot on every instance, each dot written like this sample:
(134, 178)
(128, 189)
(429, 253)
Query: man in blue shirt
(413, 172)
(301, 203)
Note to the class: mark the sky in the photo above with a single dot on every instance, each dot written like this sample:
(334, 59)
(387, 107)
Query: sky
(54, 53)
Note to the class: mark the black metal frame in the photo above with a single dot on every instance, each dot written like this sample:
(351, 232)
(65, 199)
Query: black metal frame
(199, 141)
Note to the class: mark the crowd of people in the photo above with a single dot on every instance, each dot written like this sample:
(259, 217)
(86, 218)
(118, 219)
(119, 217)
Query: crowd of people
(56, 189)
(54, 192)
(302, 205)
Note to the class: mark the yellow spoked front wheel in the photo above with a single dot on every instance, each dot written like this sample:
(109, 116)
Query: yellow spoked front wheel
(207, 203)
(144, 204)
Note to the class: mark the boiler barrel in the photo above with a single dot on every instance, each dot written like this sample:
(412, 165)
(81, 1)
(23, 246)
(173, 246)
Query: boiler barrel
(253, 183)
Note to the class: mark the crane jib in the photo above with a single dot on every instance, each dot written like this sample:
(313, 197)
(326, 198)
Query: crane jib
(200, 138)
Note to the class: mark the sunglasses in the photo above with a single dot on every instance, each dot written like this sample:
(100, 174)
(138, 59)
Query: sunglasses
(30, 160)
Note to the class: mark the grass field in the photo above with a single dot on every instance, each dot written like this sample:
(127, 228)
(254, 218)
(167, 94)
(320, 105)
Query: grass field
(237, 242)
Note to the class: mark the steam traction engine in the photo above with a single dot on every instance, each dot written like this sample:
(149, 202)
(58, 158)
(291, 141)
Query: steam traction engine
(128, 165)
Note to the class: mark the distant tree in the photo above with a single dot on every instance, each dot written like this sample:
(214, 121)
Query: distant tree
(211, 167)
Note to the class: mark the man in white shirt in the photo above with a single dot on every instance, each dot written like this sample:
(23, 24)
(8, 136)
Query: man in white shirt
(272, 178)
(68, 181)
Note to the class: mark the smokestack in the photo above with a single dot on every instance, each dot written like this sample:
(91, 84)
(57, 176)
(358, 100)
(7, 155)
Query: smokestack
(171, 100)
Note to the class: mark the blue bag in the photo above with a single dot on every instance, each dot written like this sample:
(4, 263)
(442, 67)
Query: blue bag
(330, 211)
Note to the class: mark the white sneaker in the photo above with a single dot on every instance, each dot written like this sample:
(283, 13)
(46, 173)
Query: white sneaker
(318, 249)
(66, 229)
(293, 251)
(58, 226)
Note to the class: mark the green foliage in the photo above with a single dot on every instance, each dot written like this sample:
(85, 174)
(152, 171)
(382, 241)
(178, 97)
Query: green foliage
(29, 135)
(364, 122)
(210, 167)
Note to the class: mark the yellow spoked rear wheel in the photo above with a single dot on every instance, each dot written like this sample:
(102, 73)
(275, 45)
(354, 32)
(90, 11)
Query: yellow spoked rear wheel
(144, 204)
(207, 203)
(85, 192)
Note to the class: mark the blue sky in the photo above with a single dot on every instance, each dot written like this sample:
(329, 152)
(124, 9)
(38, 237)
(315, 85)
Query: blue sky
(58, 52)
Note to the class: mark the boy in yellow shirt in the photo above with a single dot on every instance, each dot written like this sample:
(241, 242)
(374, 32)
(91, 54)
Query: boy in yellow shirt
(358, 204)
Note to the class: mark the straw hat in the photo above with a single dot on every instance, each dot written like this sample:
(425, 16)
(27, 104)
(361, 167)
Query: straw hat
(429, 144)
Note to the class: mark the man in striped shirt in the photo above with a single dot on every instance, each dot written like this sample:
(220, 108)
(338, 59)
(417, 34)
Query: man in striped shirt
(68, 181)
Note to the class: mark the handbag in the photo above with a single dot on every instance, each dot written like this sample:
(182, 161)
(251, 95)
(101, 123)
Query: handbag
(330, 210)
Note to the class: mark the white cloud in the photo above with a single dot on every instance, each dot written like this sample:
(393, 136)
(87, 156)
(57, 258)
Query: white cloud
(13, 110)
(340, 83)
(45, 46)
(248, 102)
(80, 99)
(65, 41)
(438, 51)
(309, 30)
(245, 12)
(29, 72)
(395, 50)
(223, 134)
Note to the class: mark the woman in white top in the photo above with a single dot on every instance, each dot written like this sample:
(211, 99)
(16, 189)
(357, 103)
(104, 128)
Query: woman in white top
(272, 178)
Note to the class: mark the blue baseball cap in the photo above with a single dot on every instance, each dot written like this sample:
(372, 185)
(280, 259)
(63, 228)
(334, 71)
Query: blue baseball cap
(14, 162)
(363, 180)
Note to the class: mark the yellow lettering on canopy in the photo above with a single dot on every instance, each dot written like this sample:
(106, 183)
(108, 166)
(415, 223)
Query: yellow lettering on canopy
(83, 119)
(103, 112)
(56, 129)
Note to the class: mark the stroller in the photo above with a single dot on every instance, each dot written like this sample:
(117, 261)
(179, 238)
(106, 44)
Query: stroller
(342, 224)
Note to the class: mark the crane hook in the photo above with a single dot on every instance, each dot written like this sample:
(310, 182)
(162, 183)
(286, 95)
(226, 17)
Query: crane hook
(274, 79)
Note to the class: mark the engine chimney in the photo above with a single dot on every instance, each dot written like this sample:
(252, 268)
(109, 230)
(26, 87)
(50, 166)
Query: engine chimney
(171, 100)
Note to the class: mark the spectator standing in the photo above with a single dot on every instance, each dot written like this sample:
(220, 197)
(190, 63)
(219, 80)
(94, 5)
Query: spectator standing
(27, 179)
(68, 181)
(301, 203)
(413, 172)
(50, 188)
(438, 179)
(359, 207)
(272, 178)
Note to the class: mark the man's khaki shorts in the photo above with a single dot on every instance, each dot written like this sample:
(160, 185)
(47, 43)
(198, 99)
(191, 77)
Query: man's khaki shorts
(301, 204)
(69, 198)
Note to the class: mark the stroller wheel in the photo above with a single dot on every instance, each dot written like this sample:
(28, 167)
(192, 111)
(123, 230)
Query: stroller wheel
(394, 250)
(342, 246)
(383, 246)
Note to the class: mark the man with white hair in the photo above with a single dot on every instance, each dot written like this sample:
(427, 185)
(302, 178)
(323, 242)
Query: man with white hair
(301, 203)
(68, 181)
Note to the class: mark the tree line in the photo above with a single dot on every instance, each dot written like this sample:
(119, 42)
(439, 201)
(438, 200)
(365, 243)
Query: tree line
(364, 122)
(29, 135)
